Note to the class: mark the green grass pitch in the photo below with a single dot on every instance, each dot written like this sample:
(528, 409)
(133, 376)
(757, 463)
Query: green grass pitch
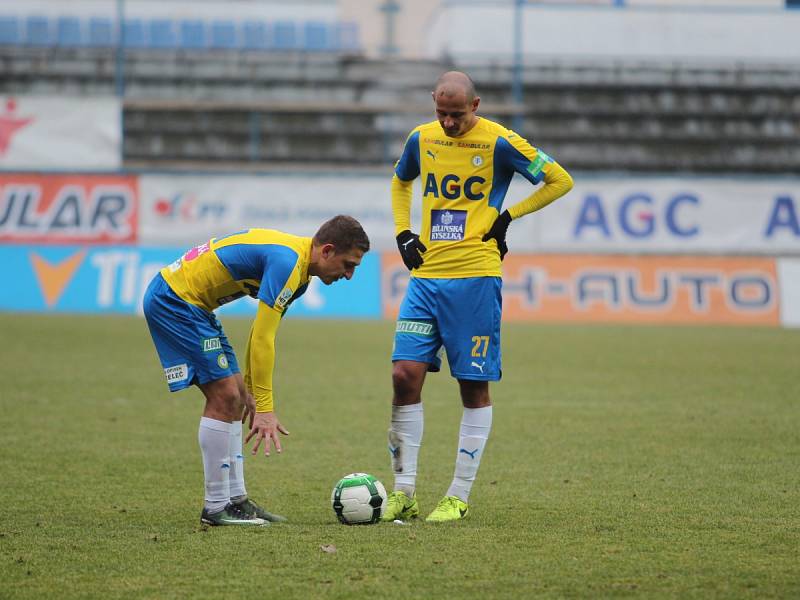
(657, 462)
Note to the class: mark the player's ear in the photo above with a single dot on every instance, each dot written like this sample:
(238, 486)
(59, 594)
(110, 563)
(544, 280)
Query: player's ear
(475, 103)
(328, 250)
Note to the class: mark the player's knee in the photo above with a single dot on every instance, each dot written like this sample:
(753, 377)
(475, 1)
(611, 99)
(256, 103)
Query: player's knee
(230, 395)
(406, 381)
(223, 397)
(475, 394)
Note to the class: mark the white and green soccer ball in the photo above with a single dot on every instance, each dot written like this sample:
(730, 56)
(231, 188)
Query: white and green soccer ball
(359, 499)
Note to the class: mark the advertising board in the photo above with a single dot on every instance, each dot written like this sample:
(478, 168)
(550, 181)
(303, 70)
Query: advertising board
(68, 209)
(607, 215)
(113, 279)
(57, 132)
(627, 289)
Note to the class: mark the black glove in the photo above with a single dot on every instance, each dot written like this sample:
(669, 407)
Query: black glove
(498, 232)
(411, 249)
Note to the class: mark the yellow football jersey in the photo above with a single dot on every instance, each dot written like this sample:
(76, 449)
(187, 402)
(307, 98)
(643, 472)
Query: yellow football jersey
(464, 181)
(262, 263)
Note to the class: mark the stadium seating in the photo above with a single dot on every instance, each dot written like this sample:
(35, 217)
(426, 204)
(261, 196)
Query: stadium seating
(223, 35)
(37, 31)
(285, 36)
(346, 36)
(68, 32)
(162, 34)
(316, 36)
(101, 33)
(188, 35)
(193, 35)
(9, 31)
(253, 91)
(133, 33)
(256, 35)
(591, 116)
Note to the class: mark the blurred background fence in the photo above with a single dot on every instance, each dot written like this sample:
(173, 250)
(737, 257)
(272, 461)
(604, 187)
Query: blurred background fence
(140, 123)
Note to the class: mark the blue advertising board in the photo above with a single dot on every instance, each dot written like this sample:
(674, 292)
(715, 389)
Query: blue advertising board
(112, 279)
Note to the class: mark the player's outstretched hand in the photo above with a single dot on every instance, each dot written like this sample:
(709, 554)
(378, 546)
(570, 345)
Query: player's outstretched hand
(411, 249)
(265, 428)
(498, 232)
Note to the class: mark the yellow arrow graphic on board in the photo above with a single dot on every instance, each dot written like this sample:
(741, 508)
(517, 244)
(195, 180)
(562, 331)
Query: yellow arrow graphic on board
(54, 277)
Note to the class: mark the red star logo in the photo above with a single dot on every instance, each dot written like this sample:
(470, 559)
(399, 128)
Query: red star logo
(163, 207)
(9, 125)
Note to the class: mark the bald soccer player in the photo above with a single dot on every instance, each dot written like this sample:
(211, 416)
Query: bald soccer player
(453, 301)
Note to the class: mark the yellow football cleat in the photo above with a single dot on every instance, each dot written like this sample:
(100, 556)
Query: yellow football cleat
(399, 506)
(450, 508)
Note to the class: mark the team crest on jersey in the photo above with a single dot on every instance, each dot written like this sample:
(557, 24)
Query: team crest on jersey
(283, 298)
(477, 160)
(222, 361)
(448, 225)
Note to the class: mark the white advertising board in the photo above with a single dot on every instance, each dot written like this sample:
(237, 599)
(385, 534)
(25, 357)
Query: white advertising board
(191, 209)
(60, 133)
(600, 215)
(665, 215)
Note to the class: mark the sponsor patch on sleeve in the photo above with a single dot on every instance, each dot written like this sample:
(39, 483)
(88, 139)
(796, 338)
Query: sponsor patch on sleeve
(415, 328)
(283, 298)
(448, 225)
(538, 163)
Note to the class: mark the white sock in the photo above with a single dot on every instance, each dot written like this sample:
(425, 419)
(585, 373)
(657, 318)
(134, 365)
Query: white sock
(475, 426)
(405, 438)
(238, 492)
(215, 444)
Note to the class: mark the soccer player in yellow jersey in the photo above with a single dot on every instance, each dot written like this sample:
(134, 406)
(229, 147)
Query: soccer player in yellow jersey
(275, 268)
(465, 164)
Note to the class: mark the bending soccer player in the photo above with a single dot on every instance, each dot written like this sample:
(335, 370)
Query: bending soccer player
(453, 299)
(275, 268)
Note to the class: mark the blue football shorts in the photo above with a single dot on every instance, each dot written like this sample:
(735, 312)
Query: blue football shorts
(460, 315)
(189, 340)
